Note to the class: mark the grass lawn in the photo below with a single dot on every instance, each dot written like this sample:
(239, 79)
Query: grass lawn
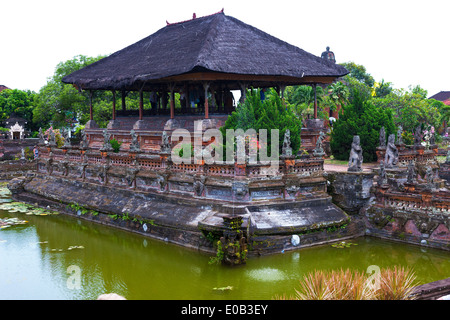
(331, 160)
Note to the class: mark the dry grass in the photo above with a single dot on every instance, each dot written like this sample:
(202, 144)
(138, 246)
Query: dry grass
(390, 284)
(396, 284)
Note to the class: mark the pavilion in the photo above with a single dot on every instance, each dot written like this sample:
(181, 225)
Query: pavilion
(199, 58)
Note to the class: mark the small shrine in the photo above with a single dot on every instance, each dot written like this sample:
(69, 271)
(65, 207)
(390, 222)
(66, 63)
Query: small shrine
(17, 128)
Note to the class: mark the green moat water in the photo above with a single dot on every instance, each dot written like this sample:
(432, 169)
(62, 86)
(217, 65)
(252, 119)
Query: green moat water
(60, 257)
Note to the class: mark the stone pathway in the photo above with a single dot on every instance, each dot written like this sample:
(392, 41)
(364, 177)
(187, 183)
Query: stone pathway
(343, 168)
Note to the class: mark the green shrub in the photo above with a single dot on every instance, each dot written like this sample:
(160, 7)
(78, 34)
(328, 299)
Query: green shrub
(361, 118)
(270, 113)
(115, 145)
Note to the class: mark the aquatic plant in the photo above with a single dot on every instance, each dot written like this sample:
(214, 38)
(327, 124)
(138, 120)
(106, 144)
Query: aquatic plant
(394, 284)
(25, 208)
(343, 244)
(8, 222)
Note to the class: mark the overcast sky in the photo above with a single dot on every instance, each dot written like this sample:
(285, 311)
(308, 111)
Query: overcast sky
(403, 42)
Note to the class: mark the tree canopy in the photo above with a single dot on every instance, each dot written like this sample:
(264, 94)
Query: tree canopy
(270, 113)
(18, 103)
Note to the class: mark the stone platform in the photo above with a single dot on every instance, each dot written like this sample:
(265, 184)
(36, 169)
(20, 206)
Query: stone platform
(184, 221)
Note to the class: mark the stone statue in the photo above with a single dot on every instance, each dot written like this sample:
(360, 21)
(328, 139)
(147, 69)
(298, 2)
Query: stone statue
(199, 185)
(429, 177)
(399, 135)
(162, 180)
(106, 143)
(328, 55)
(41, 137)
(134, 146)
(286, 150)
(356, 156)
(165, 145)
(391, 156)
(65, 134)
(131, 176)
(240, 190)
(432, 138)
(83, 143)
(52, 139)
(418, 136)
(382, 137)
(447, 159)
(64, 167)
(411, 173)
(382, 175)
(318, 151)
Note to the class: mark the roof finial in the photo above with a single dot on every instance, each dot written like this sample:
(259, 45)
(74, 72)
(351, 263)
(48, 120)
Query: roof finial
(194, 16)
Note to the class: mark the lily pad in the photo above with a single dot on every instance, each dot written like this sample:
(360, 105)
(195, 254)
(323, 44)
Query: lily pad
(8, 222)
(343, 244)
(223, 288)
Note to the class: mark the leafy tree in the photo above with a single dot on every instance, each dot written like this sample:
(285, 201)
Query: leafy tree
(359, 73)
(14, 102)
(61, 104)
(271, 113)
(411, 109)
(383, 88)
(301, 99)
(339, 93)
(361, 118)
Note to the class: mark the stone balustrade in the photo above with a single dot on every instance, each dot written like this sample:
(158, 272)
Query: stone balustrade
(155, 172)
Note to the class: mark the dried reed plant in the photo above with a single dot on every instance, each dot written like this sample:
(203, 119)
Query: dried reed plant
(391, 284)
(396, 284)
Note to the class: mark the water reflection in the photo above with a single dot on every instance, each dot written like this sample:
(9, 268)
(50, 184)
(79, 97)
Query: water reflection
(36, 263)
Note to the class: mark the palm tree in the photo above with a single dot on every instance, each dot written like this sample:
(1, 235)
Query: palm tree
(339, 94)
(302, 98)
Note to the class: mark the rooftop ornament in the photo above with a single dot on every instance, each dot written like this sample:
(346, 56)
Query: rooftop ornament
(328, 55)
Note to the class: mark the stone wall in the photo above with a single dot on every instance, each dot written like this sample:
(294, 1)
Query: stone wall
(189, 204)
(413, 213)
(10, 169)
(351, 191)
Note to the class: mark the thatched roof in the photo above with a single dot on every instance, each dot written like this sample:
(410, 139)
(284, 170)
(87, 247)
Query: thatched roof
(441, 96)
(216, 47)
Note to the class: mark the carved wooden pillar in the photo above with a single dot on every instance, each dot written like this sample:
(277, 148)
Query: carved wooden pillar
(124, 107)
(172, 101)
(206, 87)
(243, 92)
(114, 105)
(315, 101)
(141, 105)
(187, 100)
(91, 113)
